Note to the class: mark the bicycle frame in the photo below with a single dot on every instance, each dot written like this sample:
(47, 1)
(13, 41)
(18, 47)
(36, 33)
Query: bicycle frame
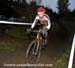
(33, 44)
(36, 44)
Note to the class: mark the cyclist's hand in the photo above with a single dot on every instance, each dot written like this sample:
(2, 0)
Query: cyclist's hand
(29, 31)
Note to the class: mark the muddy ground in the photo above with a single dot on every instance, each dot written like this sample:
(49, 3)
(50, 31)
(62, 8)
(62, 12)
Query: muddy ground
(56, 47)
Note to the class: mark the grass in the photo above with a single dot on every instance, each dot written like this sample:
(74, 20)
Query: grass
(18, 31)
(8, 47)
(63, 60)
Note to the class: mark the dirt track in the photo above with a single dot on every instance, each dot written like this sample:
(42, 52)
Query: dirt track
(56, 47)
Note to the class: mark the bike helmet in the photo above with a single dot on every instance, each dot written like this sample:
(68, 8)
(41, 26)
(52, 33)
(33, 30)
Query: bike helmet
(41, 9)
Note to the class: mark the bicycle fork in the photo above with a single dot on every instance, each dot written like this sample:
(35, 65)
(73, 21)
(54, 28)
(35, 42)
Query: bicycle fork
(36, 45)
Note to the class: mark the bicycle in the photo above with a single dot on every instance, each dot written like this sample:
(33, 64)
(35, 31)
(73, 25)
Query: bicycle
(34, 48)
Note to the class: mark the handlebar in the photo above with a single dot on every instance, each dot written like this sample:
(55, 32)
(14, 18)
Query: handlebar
(36, 31)
(29, 31)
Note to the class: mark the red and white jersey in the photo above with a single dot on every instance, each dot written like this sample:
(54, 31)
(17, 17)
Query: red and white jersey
(44, 19)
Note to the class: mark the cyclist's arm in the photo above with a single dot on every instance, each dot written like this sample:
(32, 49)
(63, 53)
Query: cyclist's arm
(49, 23)
(35, 22)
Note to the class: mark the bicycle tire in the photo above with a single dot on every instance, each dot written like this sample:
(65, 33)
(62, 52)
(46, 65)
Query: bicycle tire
(31, 47)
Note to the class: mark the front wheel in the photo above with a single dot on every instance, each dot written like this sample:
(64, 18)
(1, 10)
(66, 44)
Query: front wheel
(33, 52)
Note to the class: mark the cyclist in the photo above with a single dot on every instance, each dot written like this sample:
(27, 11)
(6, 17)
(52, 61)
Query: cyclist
(43, 18)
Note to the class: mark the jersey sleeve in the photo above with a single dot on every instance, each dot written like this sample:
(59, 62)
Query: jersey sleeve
(34, 23)
(49, 23)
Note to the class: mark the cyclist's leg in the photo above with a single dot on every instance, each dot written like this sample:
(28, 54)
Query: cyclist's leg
(42, 36)
(45, 37)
